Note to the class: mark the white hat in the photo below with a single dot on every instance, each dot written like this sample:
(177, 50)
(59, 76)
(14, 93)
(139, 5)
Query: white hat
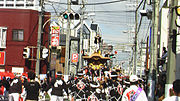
(59, 73)
(133, 78)
(113, 74)
(80, 73)
(94, 84)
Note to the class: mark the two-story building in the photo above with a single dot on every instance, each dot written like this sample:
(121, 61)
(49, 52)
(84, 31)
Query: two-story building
(19, 21)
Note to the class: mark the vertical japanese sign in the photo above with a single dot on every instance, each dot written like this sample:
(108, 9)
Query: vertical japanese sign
(85, 43)
(2, 58)
(55, 31)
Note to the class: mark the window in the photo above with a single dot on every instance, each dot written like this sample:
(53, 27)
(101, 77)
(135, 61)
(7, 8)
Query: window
(3, 32)
(18, 35)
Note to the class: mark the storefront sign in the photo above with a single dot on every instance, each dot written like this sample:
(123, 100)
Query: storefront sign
(2, 58)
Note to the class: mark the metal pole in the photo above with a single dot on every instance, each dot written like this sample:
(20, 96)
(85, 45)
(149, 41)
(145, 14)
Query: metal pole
(39, 38)
(171, 65)
(81, 36)
(67, 41)
(153, 52)
(141, 59)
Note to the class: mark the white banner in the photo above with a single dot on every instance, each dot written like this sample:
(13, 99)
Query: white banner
(85, 43)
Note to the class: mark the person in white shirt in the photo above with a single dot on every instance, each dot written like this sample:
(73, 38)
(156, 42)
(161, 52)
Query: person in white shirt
(176, 91)
(134, 93)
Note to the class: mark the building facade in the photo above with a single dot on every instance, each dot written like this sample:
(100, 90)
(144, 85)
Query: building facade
(19, 29)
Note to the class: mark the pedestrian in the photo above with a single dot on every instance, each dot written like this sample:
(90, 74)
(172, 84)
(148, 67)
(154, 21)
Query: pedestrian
(44, 89)
(58, 87)
(134, 93)
(176, 91)
(6, 85)
(44, 85)
(15, 88)
(32, 87)
(23, 94)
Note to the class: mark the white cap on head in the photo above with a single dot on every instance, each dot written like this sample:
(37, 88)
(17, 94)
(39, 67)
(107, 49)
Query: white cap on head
(59, 73)
(133, 78)
(18, 75)
(80, 73)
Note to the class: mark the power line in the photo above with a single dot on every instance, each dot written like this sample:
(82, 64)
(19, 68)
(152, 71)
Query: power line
(104, 11)
(111, 22)
(99, 3)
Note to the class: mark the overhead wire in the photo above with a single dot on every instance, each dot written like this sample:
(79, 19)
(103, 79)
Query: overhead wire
(112, 22)
(112, 12)
(98, 3)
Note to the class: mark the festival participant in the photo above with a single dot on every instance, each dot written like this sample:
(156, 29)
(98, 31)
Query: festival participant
(58, 87)
(15, 88)
(134, 93)
(95, 92)
(176, 91)
(114, 87)
(80, 90)
(32, 87)
(5, 85)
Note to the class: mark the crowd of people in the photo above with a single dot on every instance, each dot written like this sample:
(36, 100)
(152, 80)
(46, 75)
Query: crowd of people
(87, 85)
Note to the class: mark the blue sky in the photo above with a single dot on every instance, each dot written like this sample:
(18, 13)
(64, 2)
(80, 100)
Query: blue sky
(114, 19)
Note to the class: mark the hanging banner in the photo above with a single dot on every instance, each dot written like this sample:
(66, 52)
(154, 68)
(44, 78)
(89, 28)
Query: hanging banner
(55, 32)
(85, 43)
(2, 58)
(55, 41)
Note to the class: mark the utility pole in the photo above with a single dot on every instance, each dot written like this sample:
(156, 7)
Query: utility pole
(171, 65)
(135, 49)
(66, 68)
(41, 3)
(153, 52)
(81, 34)
(136, 39)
